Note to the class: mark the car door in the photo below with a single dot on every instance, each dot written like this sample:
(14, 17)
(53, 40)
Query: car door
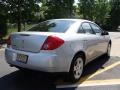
(102, 44)
(90, 41)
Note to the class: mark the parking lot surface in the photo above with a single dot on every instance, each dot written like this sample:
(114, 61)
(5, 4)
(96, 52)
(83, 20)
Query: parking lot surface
(102, 71)
(101, 74)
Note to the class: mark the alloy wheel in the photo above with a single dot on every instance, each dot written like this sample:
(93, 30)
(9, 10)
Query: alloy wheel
(78, 68)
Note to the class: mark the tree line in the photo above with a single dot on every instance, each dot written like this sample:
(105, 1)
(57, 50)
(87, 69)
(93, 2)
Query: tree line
(104, 12)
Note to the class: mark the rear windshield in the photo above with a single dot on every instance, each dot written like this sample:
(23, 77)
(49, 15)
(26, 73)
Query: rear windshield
(53, 26)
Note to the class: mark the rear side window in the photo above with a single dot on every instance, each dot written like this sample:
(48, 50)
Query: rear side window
(87, 28)
(81, 30)
(53, 26)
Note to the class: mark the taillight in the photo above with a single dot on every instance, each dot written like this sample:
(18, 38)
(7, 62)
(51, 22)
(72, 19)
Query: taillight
(8, 41)
(52, 42)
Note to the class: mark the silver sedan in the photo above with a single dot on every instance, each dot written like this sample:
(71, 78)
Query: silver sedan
(58, 45)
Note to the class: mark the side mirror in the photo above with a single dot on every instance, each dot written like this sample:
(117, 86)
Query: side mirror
(105, 33)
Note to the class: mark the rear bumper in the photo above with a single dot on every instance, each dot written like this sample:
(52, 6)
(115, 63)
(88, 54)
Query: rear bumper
(42, 61)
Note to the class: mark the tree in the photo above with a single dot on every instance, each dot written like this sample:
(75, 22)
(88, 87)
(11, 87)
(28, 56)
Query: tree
(3, 20)
(101, 11)
(95, 10)
(58, 8)
(86, 8)
(21, 10)
(115, 13)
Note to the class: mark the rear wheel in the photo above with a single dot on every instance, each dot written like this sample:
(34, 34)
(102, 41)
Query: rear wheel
(76, 68)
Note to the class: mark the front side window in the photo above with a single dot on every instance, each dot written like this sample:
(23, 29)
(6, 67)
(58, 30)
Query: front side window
(87, 28)
(60, 26)
(95, 28)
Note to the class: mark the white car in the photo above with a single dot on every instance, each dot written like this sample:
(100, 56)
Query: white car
(58, 45)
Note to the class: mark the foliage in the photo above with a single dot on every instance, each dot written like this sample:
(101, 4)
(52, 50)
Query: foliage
(115, 13)
(101, 11)
(96, 10)
(104, 12)
(3, 19)
(21, 10)
(58, 8)
(87, 8)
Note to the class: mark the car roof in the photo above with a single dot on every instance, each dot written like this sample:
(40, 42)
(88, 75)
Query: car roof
(76, 20)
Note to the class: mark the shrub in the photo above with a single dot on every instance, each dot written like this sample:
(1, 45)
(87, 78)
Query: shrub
(3, 26)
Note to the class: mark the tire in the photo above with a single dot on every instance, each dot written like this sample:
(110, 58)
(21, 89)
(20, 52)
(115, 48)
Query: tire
(108, 50)
(76, 68)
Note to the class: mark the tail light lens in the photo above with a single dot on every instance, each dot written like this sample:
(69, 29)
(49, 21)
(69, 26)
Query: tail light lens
(52, 42)
(8, 41)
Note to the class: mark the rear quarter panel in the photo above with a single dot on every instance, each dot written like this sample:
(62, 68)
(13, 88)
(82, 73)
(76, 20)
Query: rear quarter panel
(73, 44)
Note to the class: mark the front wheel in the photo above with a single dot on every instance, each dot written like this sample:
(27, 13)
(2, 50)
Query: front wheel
(108, 50)
(76, 68)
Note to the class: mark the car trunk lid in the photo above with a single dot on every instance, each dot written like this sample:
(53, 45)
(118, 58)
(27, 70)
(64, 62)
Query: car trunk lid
(28, 41)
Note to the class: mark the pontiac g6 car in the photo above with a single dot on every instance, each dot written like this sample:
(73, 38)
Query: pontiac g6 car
(58, 45)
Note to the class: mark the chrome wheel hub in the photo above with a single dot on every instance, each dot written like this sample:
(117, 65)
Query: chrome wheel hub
(78, 68)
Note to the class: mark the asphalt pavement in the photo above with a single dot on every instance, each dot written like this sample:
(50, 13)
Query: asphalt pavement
(101, 74)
